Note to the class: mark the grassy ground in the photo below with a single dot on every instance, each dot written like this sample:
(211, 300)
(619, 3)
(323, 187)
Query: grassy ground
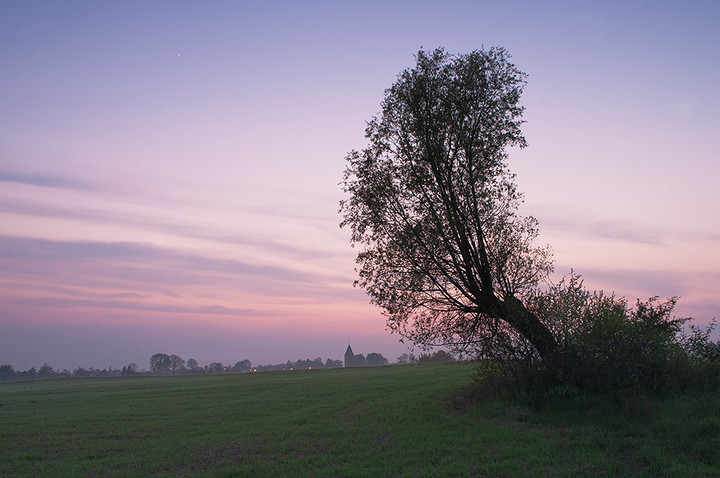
(389, 421)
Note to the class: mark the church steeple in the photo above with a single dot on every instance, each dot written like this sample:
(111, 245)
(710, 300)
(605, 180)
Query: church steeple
(349, 356)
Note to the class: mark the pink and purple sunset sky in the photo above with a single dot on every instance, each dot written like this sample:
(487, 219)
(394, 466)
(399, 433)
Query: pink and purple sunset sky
(169, 170)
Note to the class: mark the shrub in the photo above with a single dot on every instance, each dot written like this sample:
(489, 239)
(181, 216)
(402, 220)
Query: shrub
(608, 347)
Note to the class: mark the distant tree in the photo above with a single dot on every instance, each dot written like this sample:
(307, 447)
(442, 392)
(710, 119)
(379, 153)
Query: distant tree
(176, 364)
(46, 371)
(7, 373)
(375, 360)
(437, 356)
(405, 358)
(434, 208)
(160, 364)
(359, 360)
(331, 363)
(81, 372)
(192, 365)
(242, 366)
(216, 367)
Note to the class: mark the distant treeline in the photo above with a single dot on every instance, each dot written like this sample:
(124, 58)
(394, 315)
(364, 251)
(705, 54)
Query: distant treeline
(9, 374)
(164, 364)
(437, 356)
(160, 364)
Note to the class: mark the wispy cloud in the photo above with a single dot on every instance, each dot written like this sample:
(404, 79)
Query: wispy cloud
(45, 180)
(65, 303)
(152, 278)
(633, 283)
(621, 230)
(291, 234)
(24, 248)
(118, 256)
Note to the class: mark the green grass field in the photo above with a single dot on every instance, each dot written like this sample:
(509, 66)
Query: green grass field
(389, 421)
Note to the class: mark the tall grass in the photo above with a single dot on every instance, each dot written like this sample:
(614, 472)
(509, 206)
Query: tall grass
(405, 420)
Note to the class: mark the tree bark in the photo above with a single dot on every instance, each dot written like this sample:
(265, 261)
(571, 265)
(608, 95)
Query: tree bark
(514, 312)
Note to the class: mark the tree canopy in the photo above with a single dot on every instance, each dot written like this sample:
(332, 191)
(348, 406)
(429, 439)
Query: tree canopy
(433, 206)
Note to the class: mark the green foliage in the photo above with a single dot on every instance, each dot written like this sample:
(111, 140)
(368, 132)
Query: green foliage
(703, 358)
(623, 349)
(608, 347)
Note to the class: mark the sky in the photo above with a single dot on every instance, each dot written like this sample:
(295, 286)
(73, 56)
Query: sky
(169, 170)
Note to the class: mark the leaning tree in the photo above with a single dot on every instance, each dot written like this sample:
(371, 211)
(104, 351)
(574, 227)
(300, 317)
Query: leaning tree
(432, 206)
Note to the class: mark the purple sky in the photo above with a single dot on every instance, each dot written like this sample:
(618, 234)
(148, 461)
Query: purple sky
(169, 170)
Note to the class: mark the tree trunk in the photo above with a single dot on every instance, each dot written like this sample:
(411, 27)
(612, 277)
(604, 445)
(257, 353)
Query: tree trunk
(514, 312)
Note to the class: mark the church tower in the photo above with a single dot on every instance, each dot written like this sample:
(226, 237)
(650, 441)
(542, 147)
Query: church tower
(349, 356)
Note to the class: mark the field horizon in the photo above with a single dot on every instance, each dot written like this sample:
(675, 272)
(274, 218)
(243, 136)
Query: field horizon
(397, 420)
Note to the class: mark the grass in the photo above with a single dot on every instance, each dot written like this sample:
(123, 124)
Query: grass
(389, 421)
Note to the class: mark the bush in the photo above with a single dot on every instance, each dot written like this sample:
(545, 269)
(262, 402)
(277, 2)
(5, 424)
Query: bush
(623, 349)
(608, 347)
(612, 347)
